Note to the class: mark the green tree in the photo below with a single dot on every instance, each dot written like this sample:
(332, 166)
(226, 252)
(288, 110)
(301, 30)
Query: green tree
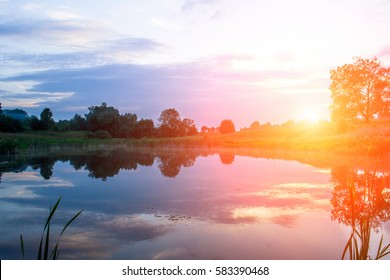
(35, 123)
(47, 121)
(227, 126)
(360, 90)
(127, 123)
(8, 124)
(143, 128)
(189, 127)
(103, 118)
(78, 123)
(62, 125)
(170, 123)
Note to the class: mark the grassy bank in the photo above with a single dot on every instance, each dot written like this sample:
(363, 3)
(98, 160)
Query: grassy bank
(11, 143)
(368, 139)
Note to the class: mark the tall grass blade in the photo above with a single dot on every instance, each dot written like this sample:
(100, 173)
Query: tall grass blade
(22, 246)
(43, 250)
(52, 211)
(47, 242)
(40, 249)
(70, 221)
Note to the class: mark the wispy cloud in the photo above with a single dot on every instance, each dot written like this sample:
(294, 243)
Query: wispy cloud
(151, 89)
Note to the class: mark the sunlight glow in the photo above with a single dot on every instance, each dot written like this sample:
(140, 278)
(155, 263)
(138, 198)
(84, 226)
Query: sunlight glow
(310, 115)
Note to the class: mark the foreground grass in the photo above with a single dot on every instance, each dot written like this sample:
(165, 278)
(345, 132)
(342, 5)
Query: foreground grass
(44, 244)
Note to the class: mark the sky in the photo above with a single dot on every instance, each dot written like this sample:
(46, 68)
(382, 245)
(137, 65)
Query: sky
(244, 60)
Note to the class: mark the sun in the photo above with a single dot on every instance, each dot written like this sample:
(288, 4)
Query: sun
(310, 115)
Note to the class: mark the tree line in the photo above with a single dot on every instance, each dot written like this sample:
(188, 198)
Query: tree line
(105, 122)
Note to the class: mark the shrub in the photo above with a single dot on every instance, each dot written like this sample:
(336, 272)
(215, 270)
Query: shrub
(227, 126)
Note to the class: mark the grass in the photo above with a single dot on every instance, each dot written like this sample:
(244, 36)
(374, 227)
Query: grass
(362, 138)
(18, 143)
(44, 245)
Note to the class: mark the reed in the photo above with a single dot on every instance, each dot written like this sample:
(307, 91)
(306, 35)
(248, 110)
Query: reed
(44, 244)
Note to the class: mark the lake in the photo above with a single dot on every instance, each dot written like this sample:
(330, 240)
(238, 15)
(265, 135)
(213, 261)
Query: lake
(192, 204)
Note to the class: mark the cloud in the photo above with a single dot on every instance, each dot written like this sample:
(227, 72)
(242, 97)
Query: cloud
(47, 34)
(107, 51)
(207, 89)
(133, 44)
(191, 4)
(33, 28)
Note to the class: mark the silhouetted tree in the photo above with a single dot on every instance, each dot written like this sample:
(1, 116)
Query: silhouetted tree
(103, 118)
(189, 127)
(35, 123)
(8, 124)
(360, 90)
(47, 121)
(1, 110)
(62, 125)
(169, 123)
(78, 123)
(143, 128)
(127, 124)
(255, 126)
(227, 126)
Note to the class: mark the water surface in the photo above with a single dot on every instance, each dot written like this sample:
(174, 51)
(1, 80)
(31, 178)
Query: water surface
(189, 204)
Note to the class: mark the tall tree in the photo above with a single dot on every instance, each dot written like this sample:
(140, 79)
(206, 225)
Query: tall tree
(103, 118)
(47, 121)
(360, 90)
(169, 123)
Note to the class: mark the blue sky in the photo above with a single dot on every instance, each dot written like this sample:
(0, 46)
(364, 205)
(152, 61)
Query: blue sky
(245, 60)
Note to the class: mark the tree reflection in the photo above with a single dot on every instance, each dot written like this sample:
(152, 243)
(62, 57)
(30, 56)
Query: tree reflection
(105, 164)
(361, 199)
(226, 157)
(171, 163)
(45, 165)
(108, 164)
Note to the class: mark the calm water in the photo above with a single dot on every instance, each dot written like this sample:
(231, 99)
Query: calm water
(188, 205)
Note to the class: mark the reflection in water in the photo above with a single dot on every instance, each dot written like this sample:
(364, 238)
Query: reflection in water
(45, 164)
(227, 157)
(243, 208)
(361, 199)
(170, 163)
(108, 164)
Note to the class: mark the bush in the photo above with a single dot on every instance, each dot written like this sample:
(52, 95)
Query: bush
(227, 126)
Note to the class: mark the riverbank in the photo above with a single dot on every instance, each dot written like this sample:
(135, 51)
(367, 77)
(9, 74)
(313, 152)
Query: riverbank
(362, 139)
